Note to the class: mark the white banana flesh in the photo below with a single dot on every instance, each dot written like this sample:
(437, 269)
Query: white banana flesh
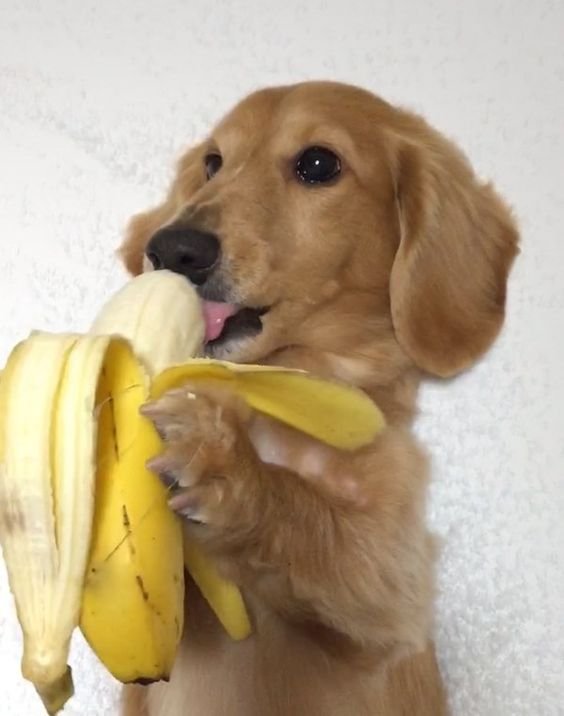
(159, 313)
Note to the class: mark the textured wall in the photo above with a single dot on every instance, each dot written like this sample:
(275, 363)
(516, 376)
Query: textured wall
(96, 99)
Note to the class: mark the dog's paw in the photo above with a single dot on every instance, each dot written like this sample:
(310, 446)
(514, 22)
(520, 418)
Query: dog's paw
(207, 457)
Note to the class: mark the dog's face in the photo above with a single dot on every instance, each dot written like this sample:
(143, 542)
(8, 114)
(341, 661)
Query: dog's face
(318, 216)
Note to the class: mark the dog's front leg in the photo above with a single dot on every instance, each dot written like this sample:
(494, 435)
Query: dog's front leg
(353, 567)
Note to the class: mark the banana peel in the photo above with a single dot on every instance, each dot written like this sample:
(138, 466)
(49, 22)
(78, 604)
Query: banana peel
(332, 413)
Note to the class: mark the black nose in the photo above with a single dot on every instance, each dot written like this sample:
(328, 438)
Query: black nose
(190, 252)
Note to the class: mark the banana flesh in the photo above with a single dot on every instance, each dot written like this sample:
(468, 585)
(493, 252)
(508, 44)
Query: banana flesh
(159, 314)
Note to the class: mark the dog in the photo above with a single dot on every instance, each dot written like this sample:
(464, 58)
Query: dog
(330, 231)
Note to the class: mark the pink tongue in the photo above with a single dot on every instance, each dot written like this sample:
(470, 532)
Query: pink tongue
(215, 315)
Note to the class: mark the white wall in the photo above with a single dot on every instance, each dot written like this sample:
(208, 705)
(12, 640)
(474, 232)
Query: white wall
(97, 98)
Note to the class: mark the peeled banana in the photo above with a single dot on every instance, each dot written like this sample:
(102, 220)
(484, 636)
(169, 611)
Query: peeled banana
(86, 534)
(159, 314)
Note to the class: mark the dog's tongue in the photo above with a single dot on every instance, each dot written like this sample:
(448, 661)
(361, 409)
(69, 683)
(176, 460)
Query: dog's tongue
(215, 315)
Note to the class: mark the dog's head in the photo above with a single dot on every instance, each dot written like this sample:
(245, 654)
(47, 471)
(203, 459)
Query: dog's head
(319, 216)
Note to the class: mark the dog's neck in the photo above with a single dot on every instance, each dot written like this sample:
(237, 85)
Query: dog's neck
(351, 338)
(395, 394)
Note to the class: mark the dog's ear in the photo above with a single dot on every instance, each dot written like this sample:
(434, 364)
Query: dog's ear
(457, 244)
(188, 178)
(138, 234)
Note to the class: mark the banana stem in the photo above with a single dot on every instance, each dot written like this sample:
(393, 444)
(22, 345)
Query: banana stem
(56, 694)
(51, 677)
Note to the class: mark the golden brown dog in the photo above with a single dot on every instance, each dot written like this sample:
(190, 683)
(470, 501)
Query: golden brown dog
(330, 231)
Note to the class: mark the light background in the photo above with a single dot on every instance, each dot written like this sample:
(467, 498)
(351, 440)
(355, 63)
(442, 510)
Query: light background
(98, 98)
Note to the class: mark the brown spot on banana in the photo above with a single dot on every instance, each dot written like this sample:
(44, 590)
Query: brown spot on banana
(125, 518)
(141, 585)
(12, 520)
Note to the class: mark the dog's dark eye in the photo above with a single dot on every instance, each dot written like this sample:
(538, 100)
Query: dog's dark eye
(317, 165)
(213, 164)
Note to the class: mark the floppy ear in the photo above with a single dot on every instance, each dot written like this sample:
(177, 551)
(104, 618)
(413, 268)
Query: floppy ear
(138, 233)
(458, 242)
(142, 226)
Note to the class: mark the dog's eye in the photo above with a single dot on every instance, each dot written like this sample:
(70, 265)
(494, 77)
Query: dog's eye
(213, 164)
(317, 165)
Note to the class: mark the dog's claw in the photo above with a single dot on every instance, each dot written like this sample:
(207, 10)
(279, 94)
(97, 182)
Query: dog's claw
(149, 409)
(187, 505)
(165, 469)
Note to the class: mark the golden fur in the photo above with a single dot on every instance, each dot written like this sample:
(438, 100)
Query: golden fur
(397, 269)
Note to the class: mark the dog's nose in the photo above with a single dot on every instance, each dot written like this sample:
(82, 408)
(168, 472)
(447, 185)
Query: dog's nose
(184, 250)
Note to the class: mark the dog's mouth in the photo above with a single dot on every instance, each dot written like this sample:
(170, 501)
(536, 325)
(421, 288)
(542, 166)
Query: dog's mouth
(228, 321)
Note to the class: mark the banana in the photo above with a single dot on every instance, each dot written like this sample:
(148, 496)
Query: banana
(132, 509)
(133, 599)
(86, 533)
